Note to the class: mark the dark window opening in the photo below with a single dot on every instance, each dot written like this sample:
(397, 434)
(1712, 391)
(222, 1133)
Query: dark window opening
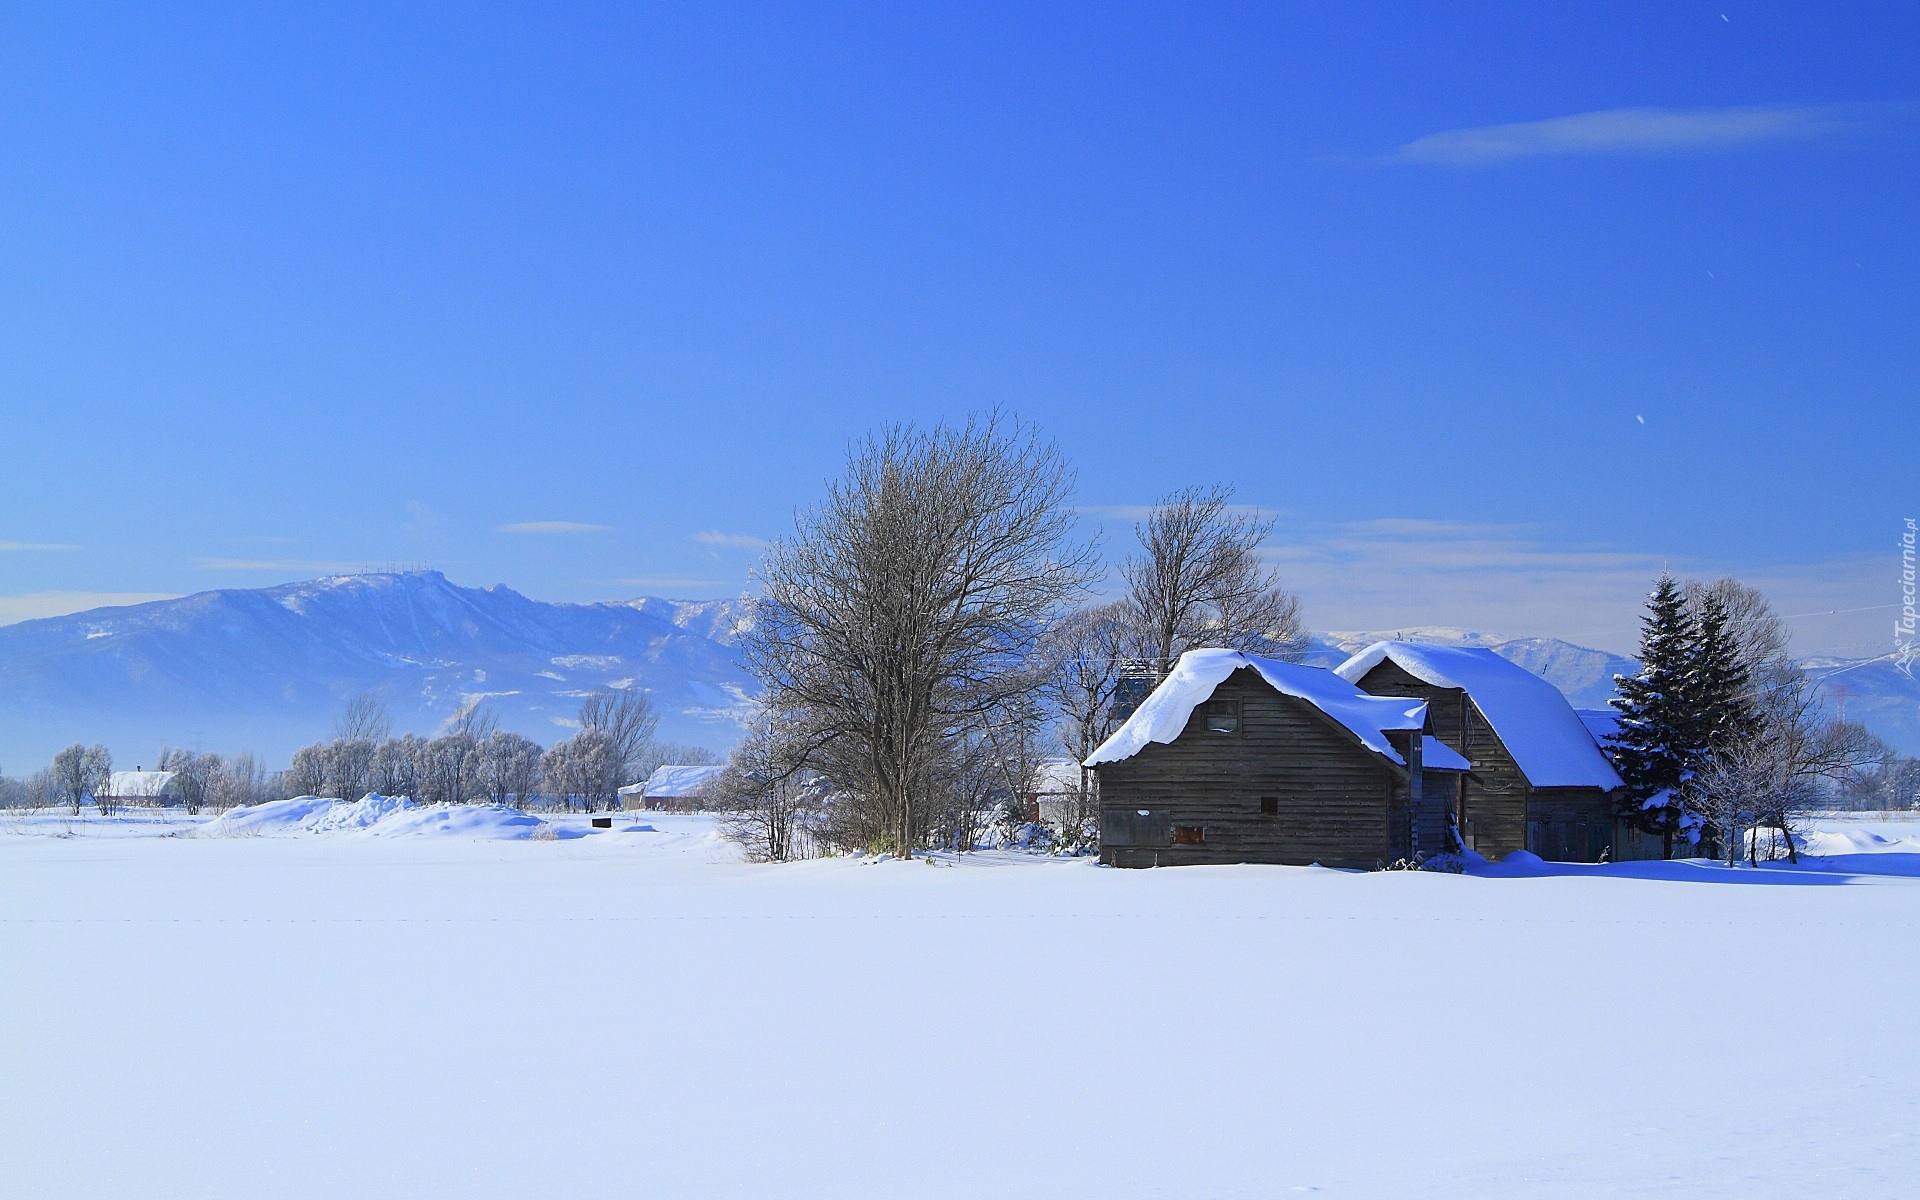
(1270, 805)
(1189, 835)
(1223, 716)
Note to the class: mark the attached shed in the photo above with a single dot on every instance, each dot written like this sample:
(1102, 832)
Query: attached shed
(1237, 759)
(137, 787)
(678, 788)
(1539, 780)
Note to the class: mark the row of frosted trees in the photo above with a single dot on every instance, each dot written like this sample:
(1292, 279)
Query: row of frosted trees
(476, 761)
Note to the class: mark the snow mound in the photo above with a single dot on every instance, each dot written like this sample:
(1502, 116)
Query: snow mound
(268, 819)
(462, 820)
(363, 813)
(372, 815)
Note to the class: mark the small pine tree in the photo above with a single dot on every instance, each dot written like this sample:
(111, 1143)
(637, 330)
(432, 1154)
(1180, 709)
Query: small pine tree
(1659, 738)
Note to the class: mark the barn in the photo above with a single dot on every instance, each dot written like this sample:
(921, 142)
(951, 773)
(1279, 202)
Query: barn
(1235, 758)
(1539, 780)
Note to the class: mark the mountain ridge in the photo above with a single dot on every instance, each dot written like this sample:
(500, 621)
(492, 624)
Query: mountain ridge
(265, 669)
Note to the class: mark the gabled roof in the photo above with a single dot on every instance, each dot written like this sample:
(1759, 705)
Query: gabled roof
(674, 783)
(127, 785)
(1532, 719)
(1163, 715)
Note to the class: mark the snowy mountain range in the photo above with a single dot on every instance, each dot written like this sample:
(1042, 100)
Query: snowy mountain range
(266, 669)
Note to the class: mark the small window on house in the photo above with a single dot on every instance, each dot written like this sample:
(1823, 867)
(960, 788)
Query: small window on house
(1270, 806)
(1189, 835)
(1223, 716)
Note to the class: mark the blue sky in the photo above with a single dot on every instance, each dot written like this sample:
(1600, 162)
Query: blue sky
(1499, 312)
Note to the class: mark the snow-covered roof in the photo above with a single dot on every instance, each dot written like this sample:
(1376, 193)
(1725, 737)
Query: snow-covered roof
(127, 785)
(673, 783)
(1056, 775)
(1438, 756)
(1602, 723)
(1162, 716)
(1530, 716)
(634, 789)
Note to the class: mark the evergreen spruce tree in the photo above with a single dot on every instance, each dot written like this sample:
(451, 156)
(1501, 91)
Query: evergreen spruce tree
(1723, 708)
(1723, 713)
(1660, 732)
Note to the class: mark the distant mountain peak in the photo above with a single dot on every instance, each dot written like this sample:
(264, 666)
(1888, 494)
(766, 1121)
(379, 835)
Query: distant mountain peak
(266, 668)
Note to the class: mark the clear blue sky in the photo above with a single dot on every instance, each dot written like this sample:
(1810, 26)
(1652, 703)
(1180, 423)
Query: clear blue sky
(282, 293)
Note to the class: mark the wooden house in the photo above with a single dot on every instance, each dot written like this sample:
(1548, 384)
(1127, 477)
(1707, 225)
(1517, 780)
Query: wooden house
(1239, 759)
(128, 789)
(678, 788)
(1538, 781)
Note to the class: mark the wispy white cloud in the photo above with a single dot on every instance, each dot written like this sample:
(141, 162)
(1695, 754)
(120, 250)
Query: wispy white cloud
(1626, 131)
(34, 547)
(34, 605)
(730, 541)
(554, 527)
(1520, 581)
(300, 565)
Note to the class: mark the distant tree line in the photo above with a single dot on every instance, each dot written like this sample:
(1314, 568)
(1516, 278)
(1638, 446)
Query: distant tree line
(476, 761)
(473, 761)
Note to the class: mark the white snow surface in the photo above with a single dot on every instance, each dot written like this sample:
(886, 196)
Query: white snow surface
(372, 815)
(1162, 715)
(639, 1013)
(1532, 718)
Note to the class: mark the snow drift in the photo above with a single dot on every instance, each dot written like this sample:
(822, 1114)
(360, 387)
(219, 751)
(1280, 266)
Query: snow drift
(372, 815)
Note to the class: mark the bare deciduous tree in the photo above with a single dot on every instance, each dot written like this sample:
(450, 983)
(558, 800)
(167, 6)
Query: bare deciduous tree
(395, 770)
(447, 769)
(586, 766)
(906, 604)
(1199, 581)
(363, 718)
(626, 718)
(473, 720)
(676, 754)
(194, 775)
(1793, 754)
(80, 772)
(509, 767)
(766, 797)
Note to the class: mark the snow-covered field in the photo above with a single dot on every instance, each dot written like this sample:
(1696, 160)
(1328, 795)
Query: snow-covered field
(502, 1011)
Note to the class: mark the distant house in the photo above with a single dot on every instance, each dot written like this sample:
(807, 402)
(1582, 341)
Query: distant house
(1539, 780)
(1235, 758)
(1055, 790)
(137, 787)
(677, 788)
